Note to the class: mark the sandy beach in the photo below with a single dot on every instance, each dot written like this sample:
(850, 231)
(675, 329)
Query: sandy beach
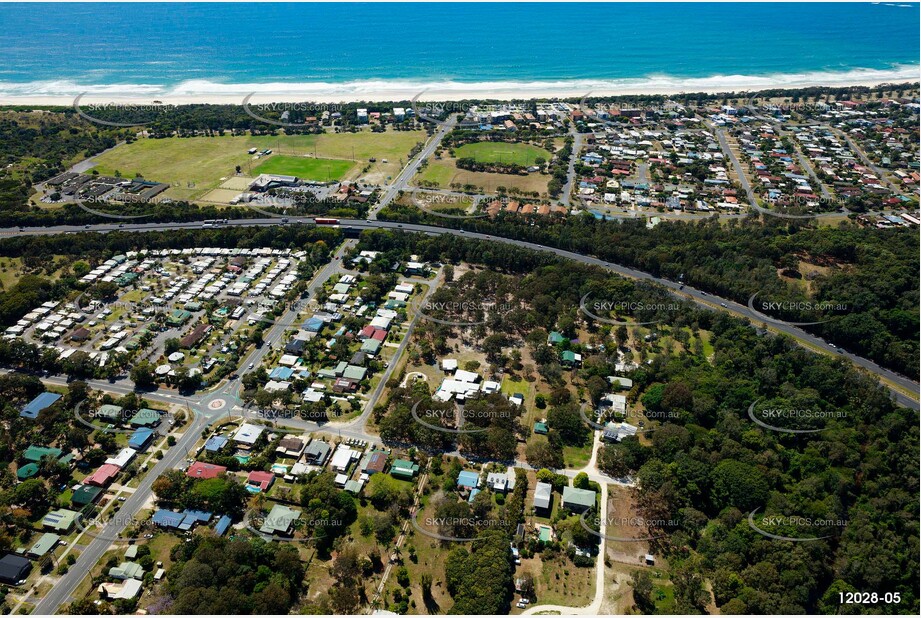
(59, 93)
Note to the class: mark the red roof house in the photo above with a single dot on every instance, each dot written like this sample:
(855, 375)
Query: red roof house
(103, 476)
(262, 480)
(202, 470)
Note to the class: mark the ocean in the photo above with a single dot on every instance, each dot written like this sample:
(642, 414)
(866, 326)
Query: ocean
(351, 49)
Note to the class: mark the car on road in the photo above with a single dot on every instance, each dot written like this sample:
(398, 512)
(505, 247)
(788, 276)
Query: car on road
(723, 305)
(251, 365)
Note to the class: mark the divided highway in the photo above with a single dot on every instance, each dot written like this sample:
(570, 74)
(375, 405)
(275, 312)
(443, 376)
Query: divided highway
(904, 389)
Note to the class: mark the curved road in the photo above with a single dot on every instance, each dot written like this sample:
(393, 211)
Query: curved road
(903, 388)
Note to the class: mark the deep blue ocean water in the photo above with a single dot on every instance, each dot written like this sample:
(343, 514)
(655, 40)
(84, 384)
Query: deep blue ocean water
(57, 49)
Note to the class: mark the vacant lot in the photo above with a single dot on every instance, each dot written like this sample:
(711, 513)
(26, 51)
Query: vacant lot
(195, 165)
(500, 152)
(307, 168)
(444, 173)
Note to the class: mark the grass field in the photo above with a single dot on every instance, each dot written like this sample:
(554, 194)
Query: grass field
(444, 172)
(500, 152)
(194, 166)
(307, 168)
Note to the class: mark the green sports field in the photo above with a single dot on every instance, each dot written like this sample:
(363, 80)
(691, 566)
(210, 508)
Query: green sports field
(193, 166)
(306, 168)
(500, 152)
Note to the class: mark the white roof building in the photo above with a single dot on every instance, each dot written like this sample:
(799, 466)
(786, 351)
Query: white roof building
(342, 458)
(124, 456)
(248, 433)
(466, 376)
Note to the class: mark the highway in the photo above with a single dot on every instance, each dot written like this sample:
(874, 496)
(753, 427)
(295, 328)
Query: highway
(900, 385)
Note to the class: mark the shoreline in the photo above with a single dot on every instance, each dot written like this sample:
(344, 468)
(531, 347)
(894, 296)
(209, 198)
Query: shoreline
(398, 95)
(65, 93)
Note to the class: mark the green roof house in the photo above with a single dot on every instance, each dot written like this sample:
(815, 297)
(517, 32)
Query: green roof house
(554, 338)
(35, 453)
(85, 494)
(578, 500)
(570, 358)
(109, 412)
(371, 346)
(145, 418)
(279, 519)
(127, 570)
(178, 317)
(404, 469)
(44, 544)
(61, 520)
(540, 428)
(27, 471)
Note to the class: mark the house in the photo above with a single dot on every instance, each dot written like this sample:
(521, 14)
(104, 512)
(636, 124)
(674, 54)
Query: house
(296, 346)
(615, 432)
(570, 358)
(344, 385)
(279, 520)
(27, 471)
(123, 458)
(290, 446)
(103, 476)
(14, 569)
(37, 405)
(401, 468)
(141, 438)
(555, 338)
(354, 487)
(128, 589)
(259, 480)
(127, 570)
(317, 452)
(195, 336)
(36, 453)
(222, 525)
(43, 545)
(373, 462)
(60, 520)
(110, 412)
(353, 372)
(178, 317)
(80, 334)
(145, 417)
(468, 479)
(501, 481)
(247, 434)
(181, 521)
(342, 458)
(541, 428)
(416, 268)
(578, 500)
(202, 470)
(215, 443)
(543, 497)
(85, 494)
